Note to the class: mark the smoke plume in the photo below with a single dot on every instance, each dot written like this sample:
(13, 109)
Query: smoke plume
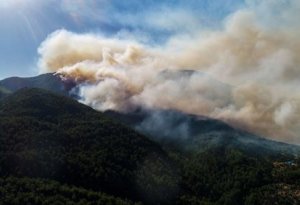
(246, 73)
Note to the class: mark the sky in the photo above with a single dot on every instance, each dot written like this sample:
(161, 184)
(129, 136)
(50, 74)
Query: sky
(25, 24)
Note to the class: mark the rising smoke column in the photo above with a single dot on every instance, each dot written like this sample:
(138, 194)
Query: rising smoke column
(246, 74)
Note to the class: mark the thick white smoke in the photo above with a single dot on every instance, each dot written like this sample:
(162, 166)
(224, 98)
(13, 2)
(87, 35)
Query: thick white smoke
(246, 73)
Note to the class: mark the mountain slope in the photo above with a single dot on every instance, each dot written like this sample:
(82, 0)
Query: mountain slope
(4, 92)
(47, 81)
(44, 135)
(197, 133)
(218, 163)
(194, 132)
(54, 150)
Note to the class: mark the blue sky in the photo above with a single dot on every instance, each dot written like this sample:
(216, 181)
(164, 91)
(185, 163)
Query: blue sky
(25, 24)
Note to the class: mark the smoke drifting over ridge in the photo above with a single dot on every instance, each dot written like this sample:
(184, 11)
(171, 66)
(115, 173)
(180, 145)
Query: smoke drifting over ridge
(246, 74)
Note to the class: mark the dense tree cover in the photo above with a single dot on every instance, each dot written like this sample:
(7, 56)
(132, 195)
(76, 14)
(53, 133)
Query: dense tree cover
(4, 92)
(49, 136)
(228, 176)
(1, 95)
(54, 150)
(15, 191)
(274, 194)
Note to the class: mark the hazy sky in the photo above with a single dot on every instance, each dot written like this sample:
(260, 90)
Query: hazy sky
(24, 24)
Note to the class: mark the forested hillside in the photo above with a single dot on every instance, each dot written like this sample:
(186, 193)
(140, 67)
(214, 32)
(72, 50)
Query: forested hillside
(54, 150)
(53, 137)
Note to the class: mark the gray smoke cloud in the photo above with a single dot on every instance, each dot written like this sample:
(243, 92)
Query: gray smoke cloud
(246, 73)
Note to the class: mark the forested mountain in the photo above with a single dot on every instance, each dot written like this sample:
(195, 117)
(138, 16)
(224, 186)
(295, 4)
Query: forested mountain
(54, 150)
(150, 102)
(218, 163)
(49, 81)
(43, 135)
